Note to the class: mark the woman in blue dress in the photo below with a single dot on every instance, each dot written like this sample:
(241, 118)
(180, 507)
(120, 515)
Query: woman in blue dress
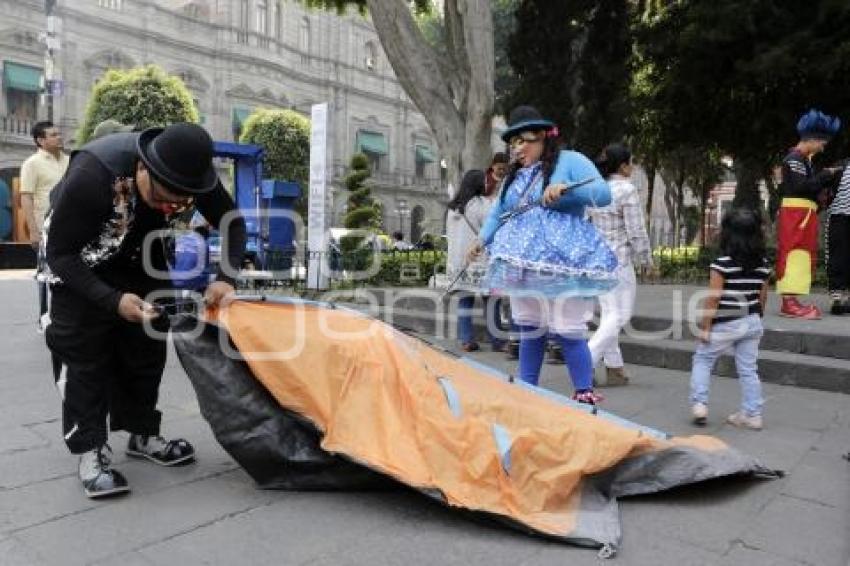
(543, 253)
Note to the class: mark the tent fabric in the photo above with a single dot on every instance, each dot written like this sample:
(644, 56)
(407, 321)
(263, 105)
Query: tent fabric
(372, 142)
(452, 429)
(278, 448)
(21, 77)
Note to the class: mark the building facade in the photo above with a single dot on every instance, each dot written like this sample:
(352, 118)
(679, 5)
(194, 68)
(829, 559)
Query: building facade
(234, 56)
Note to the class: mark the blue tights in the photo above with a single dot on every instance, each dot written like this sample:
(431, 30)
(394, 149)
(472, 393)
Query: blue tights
(532, 346)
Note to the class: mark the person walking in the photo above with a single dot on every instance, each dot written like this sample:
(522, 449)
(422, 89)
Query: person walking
(466, 214)
(39, 174)
(399, 243)
(797, 222)
(495, 174)
(119, 191)
(838, 247)
(542, 251)
(732, 317)
(623, 226)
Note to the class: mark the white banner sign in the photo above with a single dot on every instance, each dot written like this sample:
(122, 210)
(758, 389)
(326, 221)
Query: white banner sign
(317, 207)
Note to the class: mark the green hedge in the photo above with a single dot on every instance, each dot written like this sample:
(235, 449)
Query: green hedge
(690, 265)
(413, 268)
(397, 268)
(143, 97)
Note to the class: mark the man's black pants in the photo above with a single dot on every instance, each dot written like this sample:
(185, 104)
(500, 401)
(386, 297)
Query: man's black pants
(104, 367)
(838, 252)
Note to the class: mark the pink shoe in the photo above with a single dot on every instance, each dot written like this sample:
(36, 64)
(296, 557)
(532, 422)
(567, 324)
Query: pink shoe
(588, 397)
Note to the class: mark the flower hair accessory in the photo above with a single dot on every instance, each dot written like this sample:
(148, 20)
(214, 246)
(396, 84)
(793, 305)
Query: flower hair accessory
(553, 132)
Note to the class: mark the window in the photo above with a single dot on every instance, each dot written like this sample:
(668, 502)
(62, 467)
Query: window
(371, 56)
(196, 10)
(262, 17)
(374, 162)
(374, 146)
(244, 12)
(242, 32)
(22, 104)
(110, 4)
(240, 114)
(304, 37)
(423, 157)
(22, 86)
(276, 21)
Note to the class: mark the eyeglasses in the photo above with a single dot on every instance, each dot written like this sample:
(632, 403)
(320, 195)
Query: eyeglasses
(524, 139)
(167, 201)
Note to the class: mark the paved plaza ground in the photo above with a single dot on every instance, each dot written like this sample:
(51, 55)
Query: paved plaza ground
(211, 513)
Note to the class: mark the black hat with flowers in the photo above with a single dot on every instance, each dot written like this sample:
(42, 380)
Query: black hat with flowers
(525, 119)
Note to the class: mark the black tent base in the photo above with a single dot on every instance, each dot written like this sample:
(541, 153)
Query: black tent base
(277, 448)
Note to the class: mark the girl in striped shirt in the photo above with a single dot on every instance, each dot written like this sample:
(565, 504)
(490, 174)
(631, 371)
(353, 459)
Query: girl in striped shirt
(731, 317)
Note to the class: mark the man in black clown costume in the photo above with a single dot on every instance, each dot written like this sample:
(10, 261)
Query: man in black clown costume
(118, 190)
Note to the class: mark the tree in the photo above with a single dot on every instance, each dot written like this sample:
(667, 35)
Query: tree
(644, 125)
(433, 27)
(363, 212)
(704, 172)
(144, 97)
(697, 169)
(504, 24)
(454, 93)
(575, 68)
(737, 74)
(284, 135)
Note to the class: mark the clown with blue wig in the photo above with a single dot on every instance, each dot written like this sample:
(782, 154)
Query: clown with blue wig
(797, 222)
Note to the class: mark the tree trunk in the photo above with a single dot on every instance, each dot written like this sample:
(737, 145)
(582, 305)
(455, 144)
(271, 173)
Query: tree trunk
(748, 173)
(651, 168)
(455, 94)
(680, 207)
(670, 201)
(772, 192)
(704, 192)
(773, 201)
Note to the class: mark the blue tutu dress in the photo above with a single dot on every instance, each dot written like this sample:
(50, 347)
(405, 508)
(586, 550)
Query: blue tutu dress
(552, 250)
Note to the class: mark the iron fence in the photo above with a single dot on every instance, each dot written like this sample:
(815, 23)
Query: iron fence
(345, 270)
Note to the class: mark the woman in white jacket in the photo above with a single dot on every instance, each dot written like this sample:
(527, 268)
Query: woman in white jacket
(622, 224)
(467, 211)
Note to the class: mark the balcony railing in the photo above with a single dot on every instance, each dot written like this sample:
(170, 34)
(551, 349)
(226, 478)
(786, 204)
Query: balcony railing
(16, 126)
(396, 180)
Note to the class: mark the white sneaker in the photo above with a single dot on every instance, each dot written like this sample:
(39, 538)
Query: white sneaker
(739, 419)
(160, 451)
(98, 477)
(699, 412)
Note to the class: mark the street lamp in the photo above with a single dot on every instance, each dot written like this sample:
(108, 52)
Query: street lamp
(401, 209)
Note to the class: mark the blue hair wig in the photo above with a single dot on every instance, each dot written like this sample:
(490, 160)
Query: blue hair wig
(816, 124)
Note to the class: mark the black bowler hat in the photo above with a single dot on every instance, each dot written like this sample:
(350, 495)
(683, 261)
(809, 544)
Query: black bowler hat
(180, 157)
(524, 119)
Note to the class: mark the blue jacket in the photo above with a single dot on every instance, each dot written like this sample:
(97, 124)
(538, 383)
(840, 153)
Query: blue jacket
(572, 167)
